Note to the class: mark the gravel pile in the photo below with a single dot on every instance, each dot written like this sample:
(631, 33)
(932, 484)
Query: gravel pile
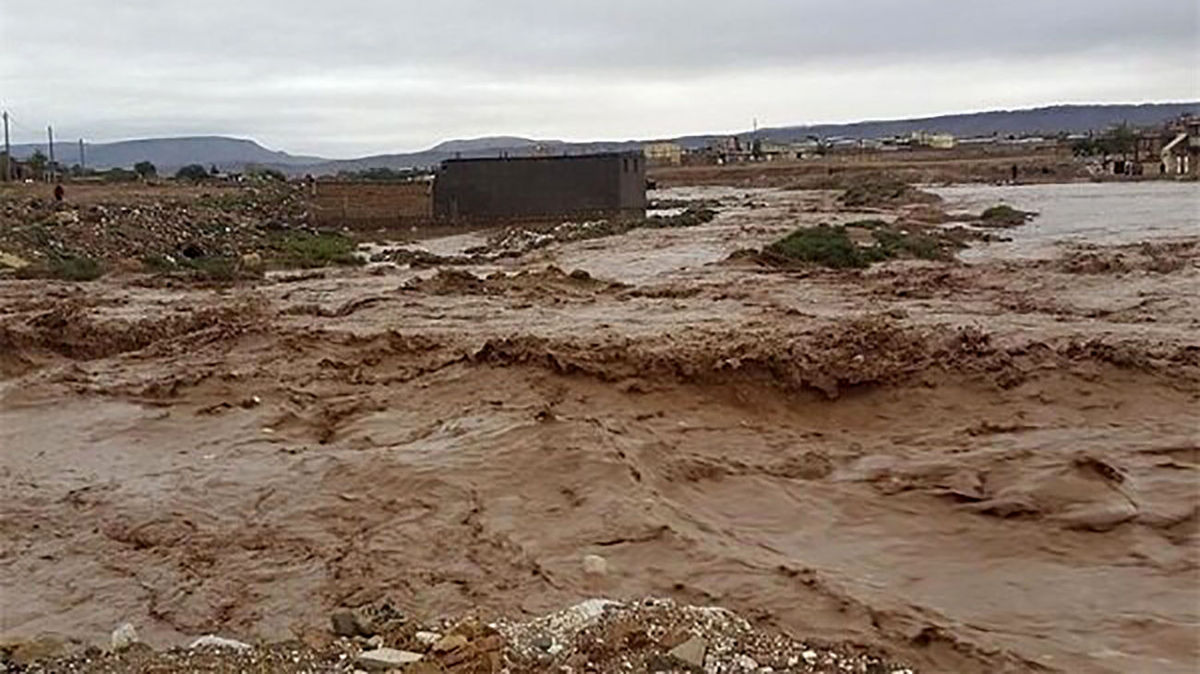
(597, 635)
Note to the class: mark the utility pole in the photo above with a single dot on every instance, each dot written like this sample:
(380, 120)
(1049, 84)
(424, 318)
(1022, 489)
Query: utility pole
(7, 151)
(82, 156)
(50, 137)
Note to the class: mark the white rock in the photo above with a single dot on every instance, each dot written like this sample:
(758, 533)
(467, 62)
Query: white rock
(809, 656)
(595, 565)
(427, 638)
(213, 641)
(124, 636)
(746, 662)
(383, 659)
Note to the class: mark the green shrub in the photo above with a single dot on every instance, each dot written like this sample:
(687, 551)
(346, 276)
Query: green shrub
(832, 246)
(824, 245)
(1003, 216)
(897, 244)
(69, 268)
(192, 172)
(882, 190)
(306, 250)
(216, 268)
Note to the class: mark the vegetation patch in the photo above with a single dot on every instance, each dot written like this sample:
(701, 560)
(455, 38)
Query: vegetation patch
(66, 268)
(823, 245)
(310, 250)
(833, 246)
(1004, 216)
(216, 269)
(880, 191)
(894, 243)
(692, 217)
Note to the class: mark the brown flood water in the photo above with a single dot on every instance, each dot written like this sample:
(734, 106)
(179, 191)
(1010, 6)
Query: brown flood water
(976, 468)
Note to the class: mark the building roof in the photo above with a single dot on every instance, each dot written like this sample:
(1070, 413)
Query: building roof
(553, 157)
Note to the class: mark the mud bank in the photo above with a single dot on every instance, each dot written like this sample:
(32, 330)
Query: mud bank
(973, 468)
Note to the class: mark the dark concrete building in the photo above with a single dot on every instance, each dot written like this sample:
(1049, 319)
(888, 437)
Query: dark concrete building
(536, 188)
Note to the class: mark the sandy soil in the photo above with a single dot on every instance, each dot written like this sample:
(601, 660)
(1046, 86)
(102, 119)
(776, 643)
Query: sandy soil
(971, 468)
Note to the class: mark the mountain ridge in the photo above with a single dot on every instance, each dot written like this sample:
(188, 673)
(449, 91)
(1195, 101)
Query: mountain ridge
(230, 153)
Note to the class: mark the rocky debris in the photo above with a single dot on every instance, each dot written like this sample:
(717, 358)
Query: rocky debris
(520, 240)
(383, 659)
(450, 643)
(123, 637)
(351, 623)
(132, 224)
(366, 621)
(527, 640)
(690, 652)
(427, 639)
(213, 641)
(18, 653)
(290, 658)
(597, 635)
(516, 241)
(526, 283)
(661, 635)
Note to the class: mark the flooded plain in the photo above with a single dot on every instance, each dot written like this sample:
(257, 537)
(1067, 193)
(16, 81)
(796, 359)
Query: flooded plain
(983, 467)
(1083, 213)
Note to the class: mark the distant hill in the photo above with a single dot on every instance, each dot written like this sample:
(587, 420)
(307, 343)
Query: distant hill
(1036, 121)
(1048, 121)
(484, 144)
(168, 154)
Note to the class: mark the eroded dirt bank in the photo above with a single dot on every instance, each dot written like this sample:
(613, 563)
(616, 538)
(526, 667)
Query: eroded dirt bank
(970, 468)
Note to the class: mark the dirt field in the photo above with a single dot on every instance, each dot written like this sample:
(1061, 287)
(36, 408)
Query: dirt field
(984, 467)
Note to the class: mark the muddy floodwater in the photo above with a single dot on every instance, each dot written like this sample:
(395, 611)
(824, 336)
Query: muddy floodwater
(1084, 213)
(983, 467)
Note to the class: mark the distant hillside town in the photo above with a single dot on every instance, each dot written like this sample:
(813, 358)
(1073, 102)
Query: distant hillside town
(1169, 149)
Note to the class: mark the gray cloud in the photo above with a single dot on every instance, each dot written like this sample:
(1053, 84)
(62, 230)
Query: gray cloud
(373, 76)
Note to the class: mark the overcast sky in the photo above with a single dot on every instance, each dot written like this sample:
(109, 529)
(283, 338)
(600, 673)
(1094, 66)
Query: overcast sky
(350, 77)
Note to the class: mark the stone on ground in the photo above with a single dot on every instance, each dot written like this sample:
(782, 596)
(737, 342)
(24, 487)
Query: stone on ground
(213, 641)
(690, 652)
(383, 659)
(124, 636)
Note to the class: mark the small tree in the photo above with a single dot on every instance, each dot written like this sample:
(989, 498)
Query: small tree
(145, 170)
(37, 163)
(265, 173)
(119, 175)
(193, 172)
(1121, 139)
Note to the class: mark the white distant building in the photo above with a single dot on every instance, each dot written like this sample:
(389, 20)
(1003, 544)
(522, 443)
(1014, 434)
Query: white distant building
(663, 153)
(937, 141)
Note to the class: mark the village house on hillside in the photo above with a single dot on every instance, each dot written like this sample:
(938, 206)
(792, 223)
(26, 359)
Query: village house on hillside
(1171, 150)
(1180, 156)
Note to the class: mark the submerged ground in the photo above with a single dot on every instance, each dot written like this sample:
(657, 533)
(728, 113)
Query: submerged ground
(969, 467)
